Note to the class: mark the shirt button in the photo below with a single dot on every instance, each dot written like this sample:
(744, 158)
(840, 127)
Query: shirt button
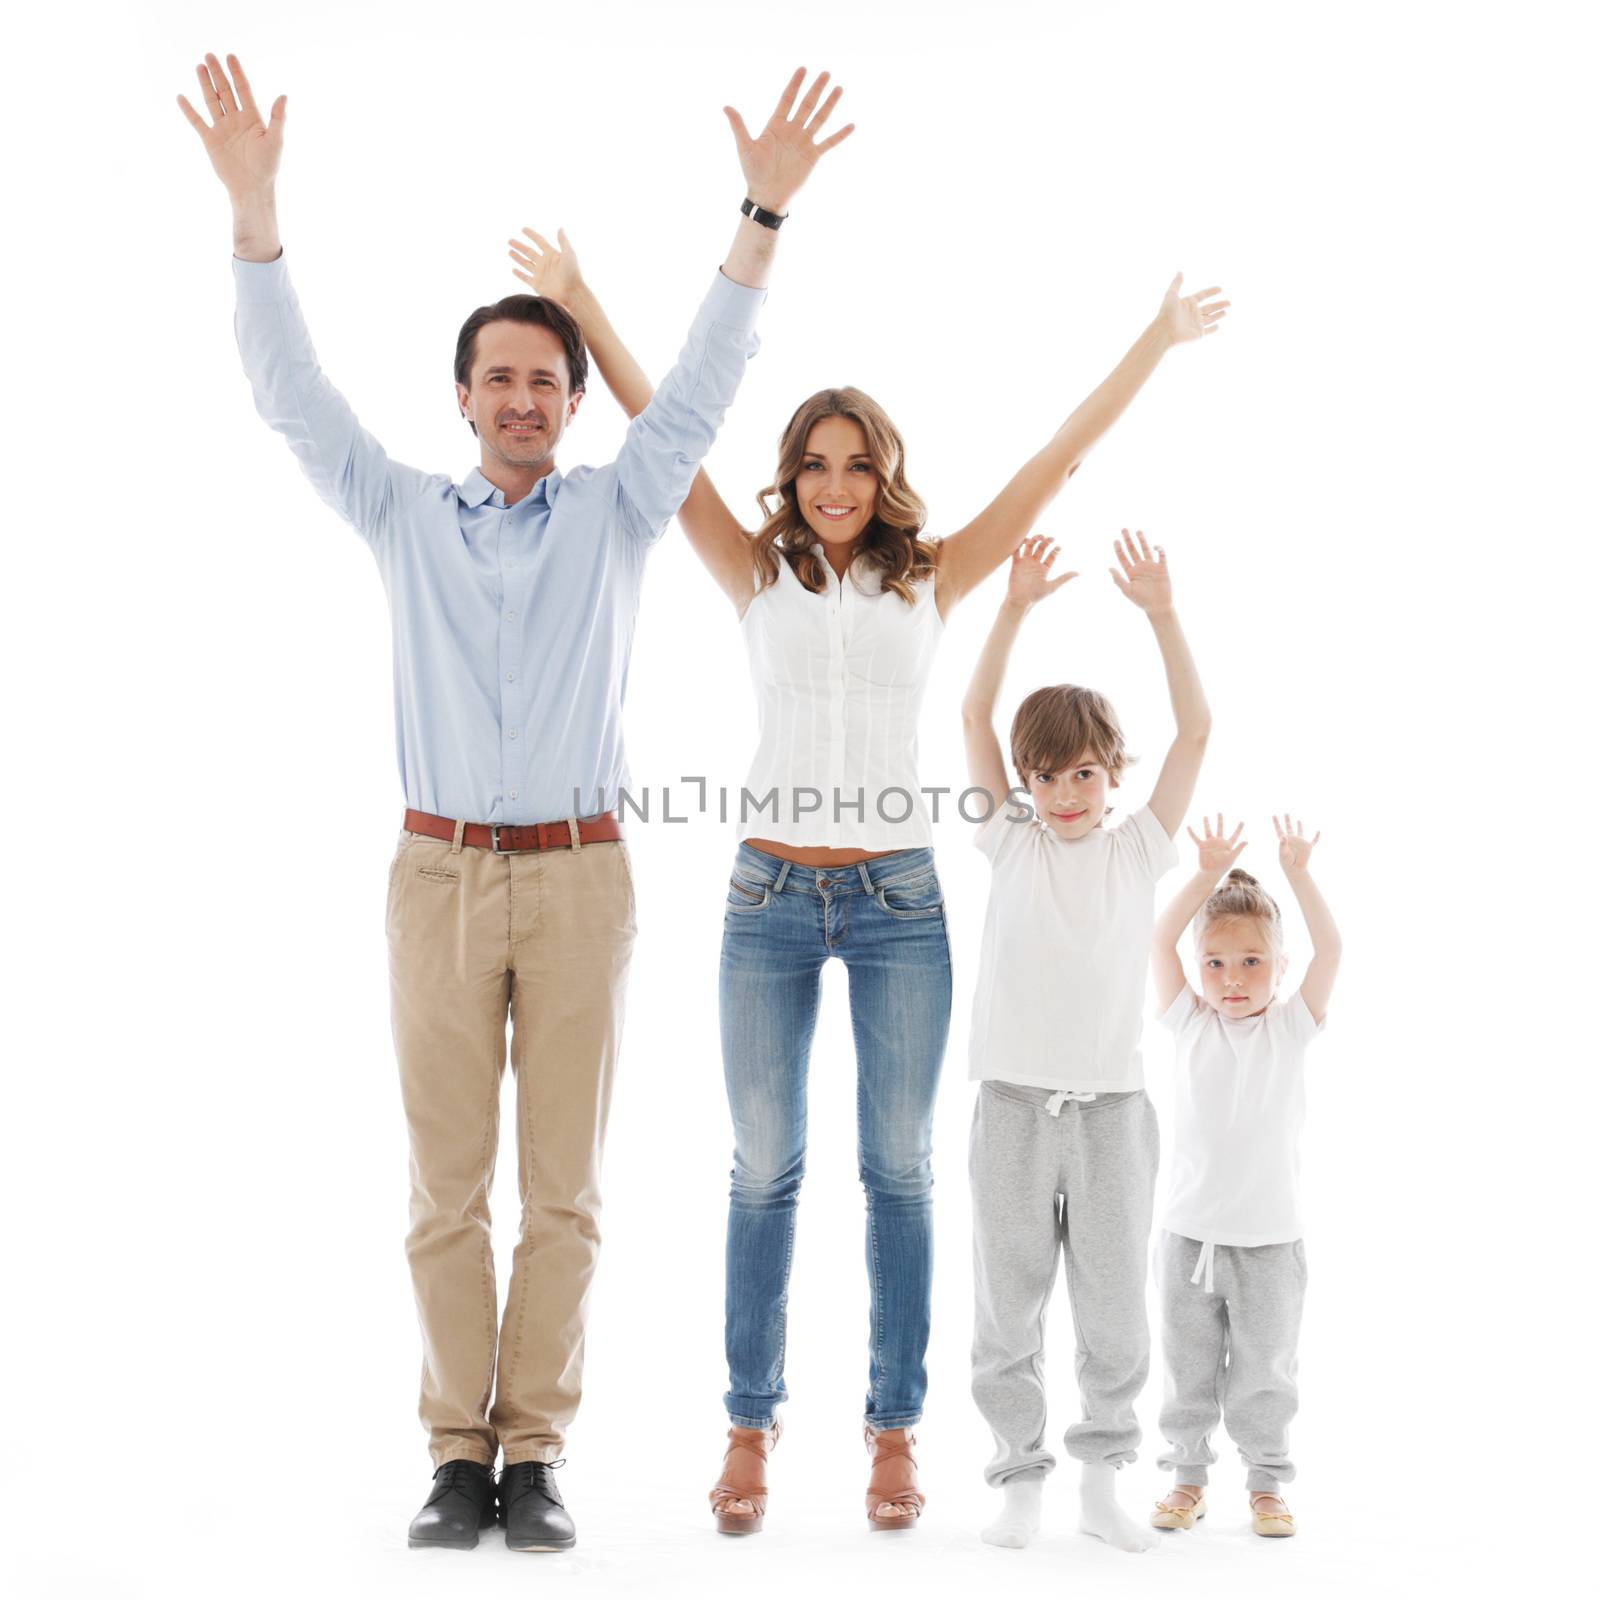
(511, 616)
(513, 794)
(511, 677)
(511, 733)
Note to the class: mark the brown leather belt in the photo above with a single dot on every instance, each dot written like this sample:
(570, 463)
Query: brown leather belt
(505, 839)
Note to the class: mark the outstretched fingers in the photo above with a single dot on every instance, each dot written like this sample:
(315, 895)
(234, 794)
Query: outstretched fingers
(786, 99)
(241, 84)
(230, 105)
(813, 95)
(208, 91)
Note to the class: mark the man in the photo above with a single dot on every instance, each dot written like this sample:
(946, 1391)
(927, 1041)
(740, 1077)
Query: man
(513, 598)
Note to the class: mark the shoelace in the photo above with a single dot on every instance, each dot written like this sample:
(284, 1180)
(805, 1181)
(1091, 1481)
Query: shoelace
(458, 1475)
(538, 1477)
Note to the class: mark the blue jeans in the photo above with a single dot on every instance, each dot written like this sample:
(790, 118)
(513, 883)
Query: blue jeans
(885, 920)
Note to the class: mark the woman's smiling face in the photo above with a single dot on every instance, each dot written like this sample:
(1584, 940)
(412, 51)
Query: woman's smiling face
(836, 488)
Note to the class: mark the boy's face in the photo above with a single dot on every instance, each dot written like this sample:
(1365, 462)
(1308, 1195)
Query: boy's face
(1073, 800)
(1238, 972)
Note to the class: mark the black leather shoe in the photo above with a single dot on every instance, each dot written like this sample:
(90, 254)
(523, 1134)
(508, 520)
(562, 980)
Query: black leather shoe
(462, 1502)
(531, 1510)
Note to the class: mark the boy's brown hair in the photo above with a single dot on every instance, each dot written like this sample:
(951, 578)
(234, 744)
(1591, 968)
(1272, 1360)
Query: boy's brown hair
(1053, 727)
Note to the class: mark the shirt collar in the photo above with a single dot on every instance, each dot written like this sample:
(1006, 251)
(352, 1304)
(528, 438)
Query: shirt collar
(476, 490)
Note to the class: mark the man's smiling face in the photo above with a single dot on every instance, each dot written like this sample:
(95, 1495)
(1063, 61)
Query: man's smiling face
(520, 399)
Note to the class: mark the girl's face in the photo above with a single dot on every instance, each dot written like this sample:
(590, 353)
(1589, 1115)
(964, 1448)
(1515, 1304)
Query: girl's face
(1072, 801)
(837, 488)
(1239, 974)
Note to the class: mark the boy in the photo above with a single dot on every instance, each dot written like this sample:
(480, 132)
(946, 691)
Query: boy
(1064, 1141)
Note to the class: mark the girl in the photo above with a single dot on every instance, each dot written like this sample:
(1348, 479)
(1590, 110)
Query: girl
(1230, 1264)
(842, 602)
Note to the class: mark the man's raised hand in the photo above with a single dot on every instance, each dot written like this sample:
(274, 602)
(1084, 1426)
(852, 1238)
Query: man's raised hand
(244, 149)
(779, 160)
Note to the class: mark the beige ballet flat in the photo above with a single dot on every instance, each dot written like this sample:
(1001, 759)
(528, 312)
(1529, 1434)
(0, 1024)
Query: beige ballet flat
(1270, 1524)
(1173, 1512)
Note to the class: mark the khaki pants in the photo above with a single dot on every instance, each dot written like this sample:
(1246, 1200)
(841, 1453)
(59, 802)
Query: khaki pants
(473, 936)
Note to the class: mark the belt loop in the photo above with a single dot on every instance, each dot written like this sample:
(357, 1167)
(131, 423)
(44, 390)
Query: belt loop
(866, 878)
(783, 873)
(455, 839)
(572, 828)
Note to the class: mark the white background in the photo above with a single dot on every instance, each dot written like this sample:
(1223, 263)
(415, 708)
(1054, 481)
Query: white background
(1376, 490)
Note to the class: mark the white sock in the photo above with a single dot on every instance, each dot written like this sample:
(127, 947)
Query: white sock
(1019, 1515)
(1102, 1517)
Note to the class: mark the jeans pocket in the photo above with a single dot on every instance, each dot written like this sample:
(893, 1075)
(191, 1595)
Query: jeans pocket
(748, 894)
(912, 897)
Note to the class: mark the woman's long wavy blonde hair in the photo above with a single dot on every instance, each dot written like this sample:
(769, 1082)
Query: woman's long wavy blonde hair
(892, 545)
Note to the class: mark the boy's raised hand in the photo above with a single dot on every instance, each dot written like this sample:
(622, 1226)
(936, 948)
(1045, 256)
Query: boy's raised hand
(1294, 851)
(548, 269)
(1030, 579)
(1144, 577)
(1219, 850)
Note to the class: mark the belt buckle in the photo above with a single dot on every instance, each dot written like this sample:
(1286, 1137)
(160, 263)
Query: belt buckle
(494, 841)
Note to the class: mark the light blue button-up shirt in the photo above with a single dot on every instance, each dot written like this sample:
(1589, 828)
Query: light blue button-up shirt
(512, 625)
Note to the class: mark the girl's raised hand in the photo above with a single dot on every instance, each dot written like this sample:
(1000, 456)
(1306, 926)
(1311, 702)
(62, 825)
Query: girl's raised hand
(1219, 850)
(1186, 317)
(547, 269)
(1144, 577)
(1294, 852)
(1030, 579)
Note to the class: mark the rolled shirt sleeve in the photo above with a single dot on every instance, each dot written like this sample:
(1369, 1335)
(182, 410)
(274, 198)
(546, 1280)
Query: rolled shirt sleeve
(668, 440)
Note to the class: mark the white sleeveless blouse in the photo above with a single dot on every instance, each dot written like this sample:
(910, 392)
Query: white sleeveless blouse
(839, 678)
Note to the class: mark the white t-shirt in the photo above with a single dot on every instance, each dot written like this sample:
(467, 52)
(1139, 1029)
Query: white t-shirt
(1239, 1106)
(1066, 944)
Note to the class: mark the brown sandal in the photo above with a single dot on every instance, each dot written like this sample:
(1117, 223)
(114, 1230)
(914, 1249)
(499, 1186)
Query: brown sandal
(744, 1477)
(893, 1481)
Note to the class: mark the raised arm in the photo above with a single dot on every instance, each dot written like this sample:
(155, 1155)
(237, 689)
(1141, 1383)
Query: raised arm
(714, 533)
(1145, 581)
(1294, 856)
(1029, 583)
(1218, 852)
(671, 435)
(345, 464)
(966, 558)
(244, 149)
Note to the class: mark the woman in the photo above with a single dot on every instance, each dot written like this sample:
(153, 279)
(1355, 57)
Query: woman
(842, 603)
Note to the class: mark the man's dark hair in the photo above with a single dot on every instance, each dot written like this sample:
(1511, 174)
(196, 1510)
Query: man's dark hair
(532, 308)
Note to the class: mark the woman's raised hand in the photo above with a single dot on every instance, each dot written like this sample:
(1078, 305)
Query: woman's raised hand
(1030, 579)
(244, 149)
(1219, 850)
(1144, 577)
(1186, 316)
(779, 160)
(548, 269)
(1294, 850)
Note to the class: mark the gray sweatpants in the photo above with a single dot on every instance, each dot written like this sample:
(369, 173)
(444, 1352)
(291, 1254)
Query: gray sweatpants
(1078, 1185)
(1230, 1355)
